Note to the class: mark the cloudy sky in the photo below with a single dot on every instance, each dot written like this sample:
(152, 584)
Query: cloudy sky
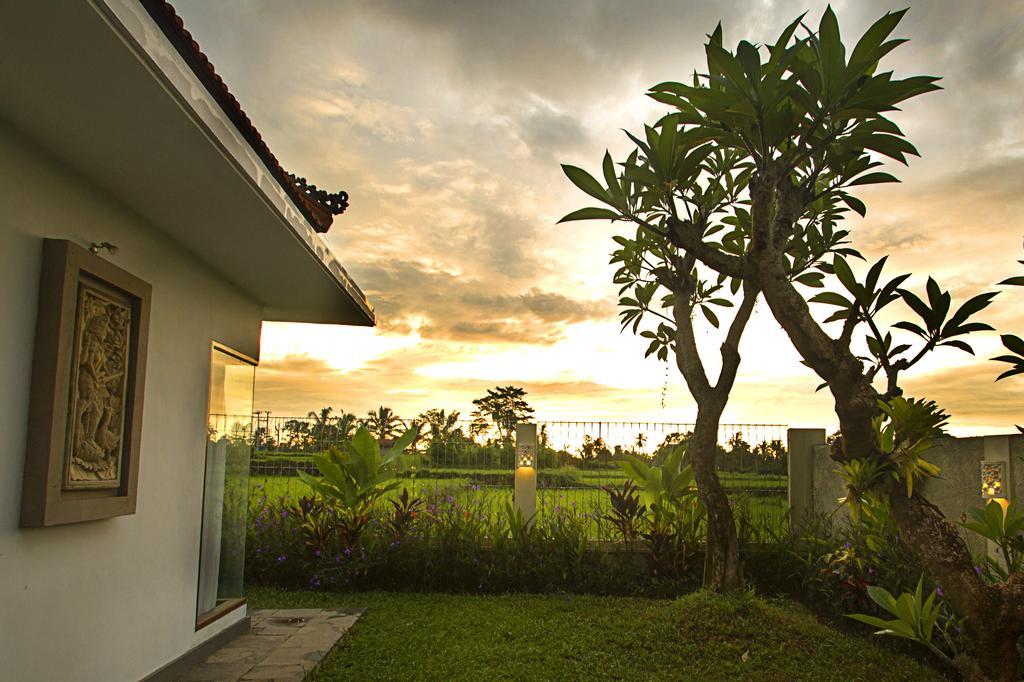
(446, 122)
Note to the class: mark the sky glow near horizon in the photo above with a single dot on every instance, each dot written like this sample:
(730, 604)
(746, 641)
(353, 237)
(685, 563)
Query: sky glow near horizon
(446, 123)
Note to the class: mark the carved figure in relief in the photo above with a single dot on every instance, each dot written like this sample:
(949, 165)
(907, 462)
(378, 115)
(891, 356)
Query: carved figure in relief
(98, 398)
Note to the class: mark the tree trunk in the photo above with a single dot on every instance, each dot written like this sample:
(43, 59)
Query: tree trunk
(992, 623)
(723, 567)
(993, 620)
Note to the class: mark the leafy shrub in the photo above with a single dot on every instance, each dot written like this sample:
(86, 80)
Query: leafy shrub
(440, 543)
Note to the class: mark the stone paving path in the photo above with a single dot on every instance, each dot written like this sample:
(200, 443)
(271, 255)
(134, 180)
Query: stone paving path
(283, 644)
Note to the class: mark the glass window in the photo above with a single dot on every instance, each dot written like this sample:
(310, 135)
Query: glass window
(226, 488)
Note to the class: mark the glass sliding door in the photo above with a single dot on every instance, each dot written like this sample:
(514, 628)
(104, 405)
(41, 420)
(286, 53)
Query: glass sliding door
(226, 484)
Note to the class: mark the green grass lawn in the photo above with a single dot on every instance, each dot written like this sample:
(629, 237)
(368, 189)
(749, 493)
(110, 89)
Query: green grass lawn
(412, 636)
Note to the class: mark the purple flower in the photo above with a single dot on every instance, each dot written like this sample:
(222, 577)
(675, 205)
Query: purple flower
(847, 544)
(977, 569)
(348, 552)
(316, 553)
(450, 499)
(281, 558)
(474, 487)
(938, 590)
(337, 558)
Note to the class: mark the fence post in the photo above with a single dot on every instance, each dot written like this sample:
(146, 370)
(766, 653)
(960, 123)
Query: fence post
(801, 444)
(525, 495)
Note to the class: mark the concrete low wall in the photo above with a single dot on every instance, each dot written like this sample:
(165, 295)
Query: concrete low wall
(816, 487)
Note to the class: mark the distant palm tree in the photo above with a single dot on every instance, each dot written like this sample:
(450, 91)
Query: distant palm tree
(320, 425)
(641, 440)
(347, 423)
(383, 423)
(443, 427)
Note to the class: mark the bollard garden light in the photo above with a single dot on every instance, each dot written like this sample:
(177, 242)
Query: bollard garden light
(525, 497)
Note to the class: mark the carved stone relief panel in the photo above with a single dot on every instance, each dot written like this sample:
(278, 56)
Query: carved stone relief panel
(88, 384)
(98, 385)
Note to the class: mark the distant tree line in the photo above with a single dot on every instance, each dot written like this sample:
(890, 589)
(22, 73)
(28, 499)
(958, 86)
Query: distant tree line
(487, 439)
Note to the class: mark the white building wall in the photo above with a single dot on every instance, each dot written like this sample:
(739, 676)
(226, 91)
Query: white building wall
(114, 599)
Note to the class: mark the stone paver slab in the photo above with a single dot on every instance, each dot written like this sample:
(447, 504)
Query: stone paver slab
(281, 673)
(283, 644)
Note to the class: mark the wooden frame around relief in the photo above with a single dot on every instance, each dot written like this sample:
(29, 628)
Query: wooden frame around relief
(88, 379)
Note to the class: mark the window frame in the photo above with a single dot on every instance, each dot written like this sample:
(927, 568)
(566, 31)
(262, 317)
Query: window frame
(222, 609)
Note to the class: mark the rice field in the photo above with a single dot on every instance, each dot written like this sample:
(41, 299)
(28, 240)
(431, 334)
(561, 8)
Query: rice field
(761, 497)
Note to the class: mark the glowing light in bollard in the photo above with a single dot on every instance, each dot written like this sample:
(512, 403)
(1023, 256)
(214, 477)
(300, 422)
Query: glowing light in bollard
(525, 499)
(993, 480)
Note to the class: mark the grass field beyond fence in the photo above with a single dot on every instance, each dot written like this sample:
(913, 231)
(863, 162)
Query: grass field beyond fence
(577, 462)
(762, 497)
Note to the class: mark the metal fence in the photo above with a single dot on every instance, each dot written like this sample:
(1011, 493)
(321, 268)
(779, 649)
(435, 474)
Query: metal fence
(576, 460)
(579, 459)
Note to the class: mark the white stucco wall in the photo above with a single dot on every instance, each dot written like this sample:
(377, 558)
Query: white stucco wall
(115, 599)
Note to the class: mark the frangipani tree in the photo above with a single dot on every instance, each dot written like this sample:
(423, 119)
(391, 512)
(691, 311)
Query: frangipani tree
(672, 176)
(744, 184)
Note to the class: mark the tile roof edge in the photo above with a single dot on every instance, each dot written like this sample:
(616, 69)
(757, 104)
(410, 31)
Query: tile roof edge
(316, 206)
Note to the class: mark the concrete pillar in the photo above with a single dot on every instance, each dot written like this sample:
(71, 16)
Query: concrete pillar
(997, 458)
(800, 445)
(525, 494)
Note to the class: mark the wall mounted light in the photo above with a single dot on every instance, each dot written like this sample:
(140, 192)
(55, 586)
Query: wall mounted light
(993, 480)
(96, 247)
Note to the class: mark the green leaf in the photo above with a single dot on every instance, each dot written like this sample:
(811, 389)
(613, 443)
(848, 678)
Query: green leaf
(811, 279)
(712, 318)
(892, 146)
(962, 345)
(855, 204)
(1013, 343)
(831, 298)
(608, 168)
(403, 442)
(830, 48)
(866, 52)
(586, 182)
(845, 275)
(872, 179)
(750, 60)
(592, 213)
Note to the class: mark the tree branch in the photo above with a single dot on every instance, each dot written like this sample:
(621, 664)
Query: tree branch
(686, 236)
(731, 346)
(688, 359)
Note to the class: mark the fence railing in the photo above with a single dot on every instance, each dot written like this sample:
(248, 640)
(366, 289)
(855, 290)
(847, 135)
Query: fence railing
(576, 460)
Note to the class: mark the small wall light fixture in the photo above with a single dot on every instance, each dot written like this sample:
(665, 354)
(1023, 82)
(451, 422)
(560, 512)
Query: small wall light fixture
(993, 480)
(525, 455)
(96, 247)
